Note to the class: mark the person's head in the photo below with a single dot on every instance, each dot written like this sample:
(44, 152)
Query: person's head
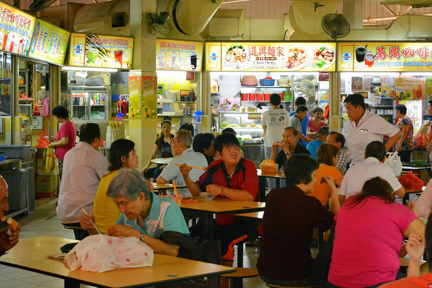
(61, 113)
(203, 143)
(130, 192)
(336, 139)
(302, 112)
(290, 136)
(123, 155)
(377, 150)
(188, 127)
(300, 171)
(275, 100)
(300, 101)
(377, 187)
(4, 195)
(90, 133)
(430, 107)
(229, 130)
(355, 106)
(318, 113)
(227, 148)
(165, 130)
(182, 141)
(401, 111)
(328, 154)
(322, 134)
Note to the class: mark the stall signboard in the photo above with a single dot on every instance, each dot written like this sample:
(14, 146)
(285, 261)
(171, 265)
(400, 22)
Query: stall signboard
(92, 50)
(213, 56)
(16, 30)
(179, 55)
(283, 56)
(49, 42)
(385, 56)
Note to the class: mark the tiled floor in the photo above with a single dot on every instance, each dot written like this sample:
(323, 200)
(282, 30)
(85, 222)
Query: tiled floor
(44, 222)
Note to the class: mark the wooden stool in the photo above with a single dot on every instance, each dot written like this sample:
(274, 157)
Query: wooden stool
(236, 278)
(277, 286)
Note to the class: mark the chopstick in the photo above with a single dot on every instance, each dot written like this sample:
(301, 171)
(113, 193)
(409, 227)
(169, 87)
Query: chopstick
(94, 225)
(202, 168)
(177, 194)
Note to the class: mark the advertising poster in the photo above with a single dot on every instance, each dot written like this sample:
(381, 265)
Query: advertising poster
(428, 88)
(55, 45)
(213, 57)
(387, 86)
(409, 89)
(142, 97)
(134, 96)
(16, 30)
(385, 56)
(178, 55)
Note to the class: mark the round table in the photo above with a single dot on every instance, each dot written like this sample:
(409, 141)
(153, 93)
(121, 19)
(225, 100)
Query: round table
(163, 161)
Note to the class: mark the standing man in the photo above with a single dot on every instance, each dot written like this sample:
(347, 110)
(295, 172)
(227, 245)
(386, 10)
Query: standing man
(304, 124)
(301, 116)
(338, 140)
(365, 127)
(84, 167)
(273, 122)
(7, 242)
(183, 153)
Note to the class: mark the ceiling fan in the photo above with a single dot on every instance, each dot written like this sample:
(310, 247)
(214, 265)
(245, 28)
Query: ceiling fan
(39, 5)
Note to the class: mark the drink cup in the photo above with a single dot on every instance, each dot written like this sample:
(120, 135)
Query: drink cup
(173, 59)
(369, 59)
(160, 59)
(92, 55)
(193, 61)
(360, 53)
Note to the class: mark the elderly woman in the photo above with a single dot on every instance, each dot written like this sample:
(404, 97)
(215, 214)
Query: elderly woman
(370, 222)
(405, 145)
(145, 216)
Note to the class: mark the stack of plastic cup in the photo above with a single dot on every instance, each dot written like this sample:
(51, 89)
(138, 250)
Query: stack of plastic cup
(198, 115)
(109, 137)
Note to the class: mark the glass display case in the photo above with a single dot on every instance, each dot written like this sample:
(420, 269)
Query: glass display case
(247, 125)
(5, 84)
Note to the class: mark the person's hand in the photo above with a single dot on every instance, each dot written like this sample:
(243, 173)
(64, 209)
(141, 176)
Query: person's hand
(123, 231)
(52, 139)
(399, 148)
(415, 246)
(145, 169)
(275, 145)
(329, 180)
(413, 206)
(162, 167)
(86, 222)
(7, 242)
(429, 148)
(214, 190)
(51, 145)
(284, 146)
(150, 185)
(185, 169)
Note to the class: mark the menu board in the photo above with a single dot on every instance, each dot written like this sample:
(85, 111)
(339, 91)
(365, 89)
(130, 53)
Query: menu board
(101, 51)
(16, 29)
(178, 55)
(283, 56)
(49, 42)
(385, 56)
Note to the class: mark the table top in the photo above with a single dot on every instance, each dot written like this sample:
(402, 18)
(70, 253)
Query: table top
(162, 161)
(253, 215)
(279, 175)
(415, 167)
(31, 254)
(224, 205)
(165, 186)
(410, 191)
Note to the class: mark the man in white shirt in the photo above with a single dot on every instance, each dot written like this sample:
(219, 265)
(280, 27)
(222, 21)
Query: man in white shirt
(183, 153)
(365, 127)
(84, 167)
(373, 166)
(274, 121)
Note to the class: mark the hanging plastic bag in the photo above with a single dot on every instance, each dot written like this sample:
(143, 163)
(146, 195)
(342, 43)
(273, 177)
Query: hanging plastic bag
(100, 253)
(42, 141)
(45, 107)
(50, 160)
(268, 167)
(421, 140)
(395, 163)
(410, 181)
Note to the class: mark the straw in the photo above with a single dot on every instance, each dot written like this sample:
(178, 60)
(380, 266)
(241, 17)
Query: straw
(177, 194)
(94, 225)
(202, 168)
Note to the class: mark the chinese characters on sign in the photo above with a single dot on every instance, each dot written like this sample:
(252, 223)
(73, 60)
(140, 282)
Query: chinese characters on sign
(178, 55)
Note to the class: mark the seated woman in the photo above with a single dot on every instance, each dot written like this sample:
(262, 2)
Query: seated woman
(327, 155)
(289, 219)
(203, 143)
(370, 229)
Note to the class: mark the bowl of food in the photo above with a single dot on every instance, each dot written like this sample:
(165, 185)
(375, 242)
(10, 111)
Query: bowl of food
(191, 199)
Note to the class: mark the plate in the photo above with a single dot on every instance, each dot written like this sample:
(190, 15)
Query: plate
(322, 57)
(296, 58)
(192, 199)
(237, 56)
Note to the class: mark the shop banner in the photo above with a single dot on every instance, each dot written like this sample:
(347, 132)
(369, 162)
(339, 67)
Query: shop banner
(385, 56)
(178, 55)
(213, 57)
(101, 51)
(49, 42)
(142, 96)
(284, 56)
(16, 29)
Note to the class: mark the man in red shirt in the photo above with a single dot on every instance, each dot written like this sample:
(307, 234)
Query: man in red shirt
(232, 177)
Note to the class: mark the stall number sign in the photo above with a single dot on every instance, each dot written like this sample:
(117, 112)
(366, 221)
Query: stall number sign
(254, 116)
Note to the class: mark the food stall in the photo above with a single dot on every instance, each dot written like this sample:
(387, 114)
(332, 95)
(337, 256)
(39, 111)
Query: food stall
(243, 75)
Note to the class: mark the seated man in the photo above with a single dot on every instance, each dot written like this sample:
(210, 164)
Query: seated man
(183, 153)
(7, 242)
(321, 136)
(231, 177)
(338, 140)
(145, 216)
(373, 166)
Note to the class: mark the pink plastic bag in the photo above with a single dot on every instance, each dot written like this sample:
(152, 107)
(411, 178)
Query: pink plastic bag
(100, 253)
(45, 107)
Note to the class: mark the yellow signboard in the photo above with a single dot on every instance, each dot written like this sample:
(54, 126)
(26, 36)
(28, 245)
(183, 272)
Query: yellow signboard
(178, 55)
(282, 56)
(101, 51)
(49, 42)
(16, 29)
(174, 83)
(213, 57)
(385, 56)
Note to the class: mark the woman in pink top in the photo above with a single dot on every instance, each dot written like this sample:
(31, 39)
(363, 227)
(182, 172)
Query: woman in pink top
(315, 123)
(66, 137)
(370, 229)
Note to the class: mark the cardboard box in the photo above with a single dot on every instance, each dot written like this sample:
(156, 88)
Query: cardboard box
(40, 167)
(46, 186)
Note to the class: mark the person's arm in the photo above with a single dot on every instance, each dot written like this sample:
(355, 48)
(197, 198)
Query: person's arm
(402, 137)
(86, 223)
(400, 192)
(415, 226)
(338, 182)
(334, 201)
(160, 180)
(153, 156)
(415, 248)
(304, 138)
(392, 141)
(274, 151)
(342, 199)
(62, 142)
(193, 188)
(7, 242)
(233, 194)
(265, 129)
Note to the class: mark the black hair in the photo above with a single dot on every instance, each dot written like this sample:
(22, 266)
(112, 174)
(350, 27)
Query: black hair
(300, 101)
(299, 168)
(295, 132)
(339, 138)
(118, 149)
(402, 109)
(275, 99)
(301, 108)
(188, 127)
(377, 187)
(430, 102)
(229, 130)
(318, 109)
(356, 100)
(161, 137)
(89, 131)
(60, 112)
(225, 140)
(202, 141)
(376, 149)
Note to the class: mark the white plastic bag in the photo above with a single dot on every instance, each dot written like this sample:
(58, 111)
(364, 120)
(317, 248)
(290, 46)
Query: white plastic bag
(395, 163)
(100, 253)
